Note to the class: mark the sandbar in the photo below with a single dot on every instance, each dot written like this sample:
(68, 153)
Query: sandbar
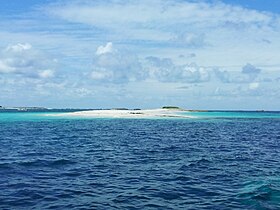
(146, 113)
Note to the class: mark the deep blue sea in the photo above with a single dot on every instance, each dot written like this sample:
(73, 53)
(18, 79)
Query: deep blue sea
(219, 160)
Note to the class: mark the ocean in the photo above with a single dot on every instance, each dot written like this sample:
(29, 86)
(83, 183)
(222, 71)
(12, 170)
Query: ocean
(218, 160)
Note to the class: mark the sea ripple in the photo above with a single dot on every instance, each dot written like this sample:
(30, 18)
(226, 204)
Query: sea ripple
(140, 164)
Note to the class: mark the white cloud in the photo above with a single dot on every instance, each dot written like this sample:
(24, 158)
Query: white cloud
(18, 47)
(114, 66)
(254, 85)
(46, 73)
(159, 12)
(248, 74)
(4, 68)
(167, 28)
(102, 75)
(186, 39)
(108, 48)
(82, 92)
(165, 70)
(23, 59)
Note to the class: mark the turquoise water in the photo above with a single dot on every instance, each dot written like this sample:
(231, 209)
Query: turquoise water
(35, 116)
(41, 116)
(233, 114)
(220, 160)
(24, 116)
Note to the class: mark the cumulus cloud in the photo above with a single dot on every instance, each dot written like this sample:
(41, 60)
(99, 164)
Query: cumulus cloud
(248, 74)
(191, 40)
(223, 76)
(250, 69)
(114, 66)
(165, 29)
(108, 48)
(165, 70)
(22, 59)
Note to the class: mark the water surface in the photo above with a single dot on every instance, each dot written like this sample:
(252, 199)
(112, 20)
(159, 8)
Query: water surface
(211, 162)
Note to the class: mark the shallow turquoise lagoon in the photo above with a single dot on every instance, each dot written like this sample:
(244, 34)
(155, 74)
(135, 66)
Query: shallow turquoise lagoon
(233, 114)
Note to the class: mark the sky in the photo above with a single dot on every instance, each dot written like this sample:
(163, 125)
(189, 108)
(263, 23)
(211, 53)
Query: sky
(196, 54)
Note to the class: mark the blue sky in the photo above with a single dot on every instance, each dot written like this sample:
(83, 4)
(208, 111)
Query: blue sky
(140, 54)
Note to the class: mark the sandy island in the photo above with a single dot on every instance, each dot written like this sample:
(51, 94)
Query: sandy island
(148, 113)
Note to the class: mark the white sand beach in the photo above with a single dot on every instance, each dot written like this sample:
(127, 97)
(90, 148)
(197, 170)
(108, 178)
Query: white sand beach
(148, 113)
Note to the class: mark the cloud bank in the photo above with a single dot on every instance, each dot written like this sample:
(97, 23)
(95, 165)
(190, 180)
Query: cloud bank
(113, 66)
(183, 52)
(157, 12)
(22, 59)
